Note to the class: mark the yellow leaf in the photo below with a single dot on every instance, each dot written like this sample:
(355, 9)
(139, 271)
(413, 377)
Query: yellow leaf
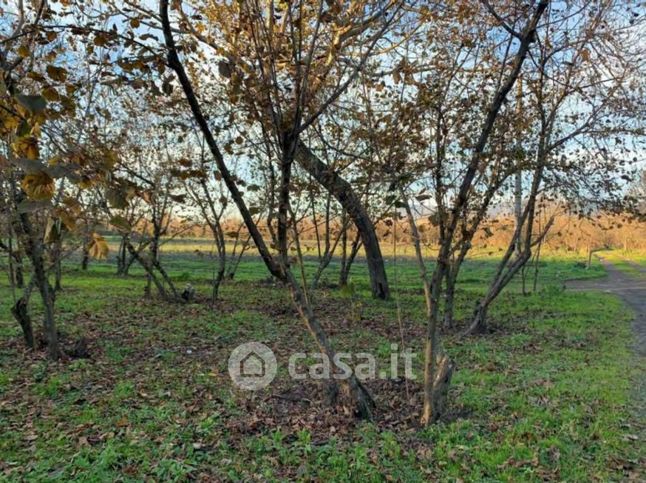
(8, 121)
(98, 247)
(52, 230)
(55, 160)
(110, 159)
(85, 182)
(26, 147)
(56, 73)
(51, 94)
(23, 51)
(121, 224)
(72, 203)
(38, 186)
(69, 221)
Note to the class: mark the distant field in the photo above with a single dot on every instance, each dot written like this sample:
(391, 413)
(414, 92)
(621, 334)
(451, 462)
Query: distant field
(206, 246)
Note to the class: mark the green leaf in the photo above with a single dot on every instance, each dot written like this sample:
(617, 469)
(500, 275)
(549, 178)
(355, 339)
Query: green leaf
(34, 104)
(120, 223)
(116, 198)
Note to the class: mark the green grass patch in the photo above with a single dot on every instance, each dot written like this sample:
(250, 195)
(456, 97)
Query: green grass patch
(545, 396)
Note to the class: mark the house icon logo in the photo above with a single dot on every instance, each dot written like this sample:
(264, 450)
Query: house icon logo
(252, 366)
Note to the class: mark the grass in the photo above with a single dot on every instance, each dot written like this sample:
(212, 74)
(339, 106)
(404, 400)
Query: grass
(632, 263)
(546, 395)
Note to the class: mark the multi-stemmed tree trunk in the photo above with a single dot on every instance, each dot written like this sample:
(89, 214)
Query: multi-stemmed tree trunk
(124, 258)
(451, 219)
(33, 247)
(564, 80)
(213, 216)
(438, 368)
(505, 273)
(236, 253)
(157, 275)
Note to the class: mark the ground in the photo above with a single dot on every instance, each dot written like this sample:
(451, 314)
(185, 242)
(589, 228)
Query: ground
(548, 394)
(626, 278)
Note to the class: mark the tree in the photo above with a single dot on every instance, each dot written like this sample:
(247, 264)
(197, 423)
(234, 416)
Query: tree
(285, 95)
(571, 102)
(210, 196)
(637, 195)
(38, 94)
(449, 100)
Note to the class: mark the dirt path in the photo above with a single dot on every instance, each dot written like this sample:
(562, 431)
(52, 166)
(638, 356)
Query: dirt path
(632, 289)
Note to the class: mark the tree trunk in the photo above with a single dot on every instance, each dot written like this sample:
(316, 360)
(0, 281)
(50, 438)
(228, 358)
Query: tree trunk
(19, 272)
(21, 313)
(449, 297)
(278, 270)
(85, 261)
(217, 281)
(518, 203)
(35, 251)
(537, 266)
(343, 281)
(324, 263)
(58, 268)
(589, 263)
(154, 253)
(344, 276)
(129, 262)
(234, 261)
(502, 278)
(364, 404)
(16, 277)
(438, 369)
(342, 191)
(122, 256)
(479, 321)
(47, 296)
(222, 263)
